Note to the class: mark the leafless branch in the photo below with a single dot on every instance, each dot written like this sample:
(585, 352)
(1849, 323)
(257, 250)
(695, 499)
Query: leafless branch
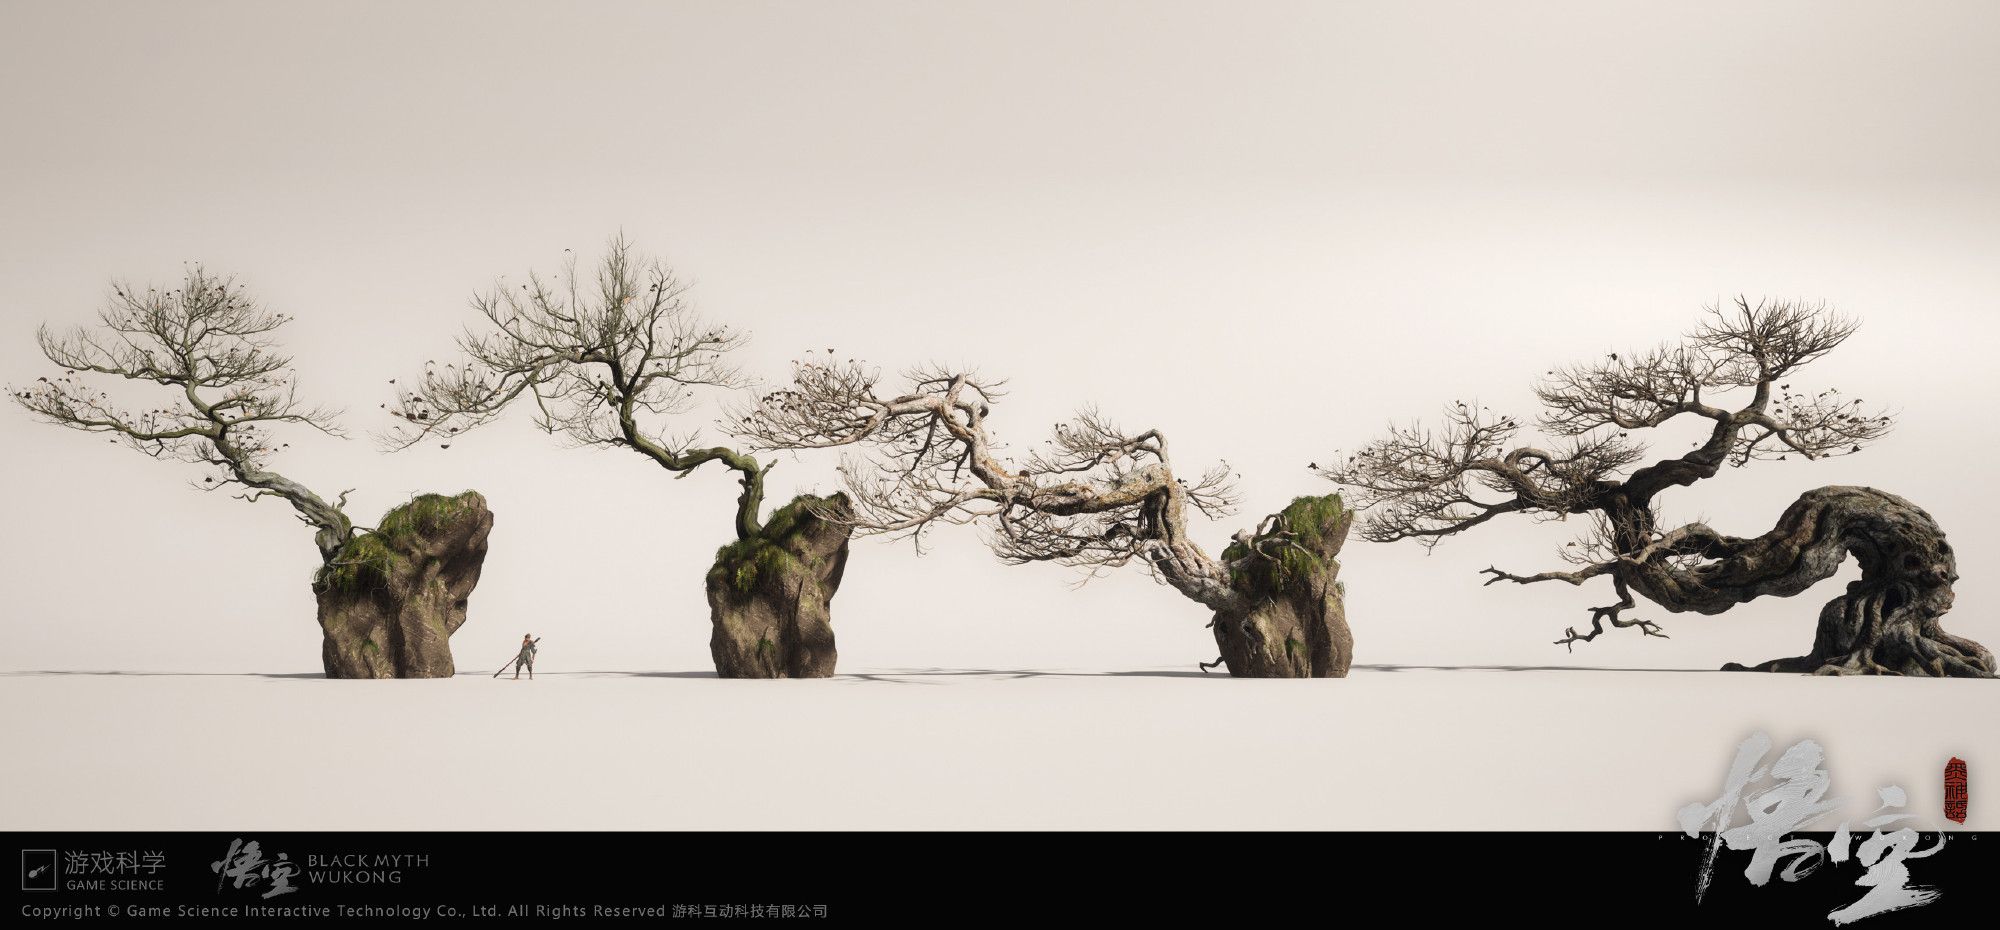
(1096, 497)
(1430, 483)
(212, 346)
(603, 357)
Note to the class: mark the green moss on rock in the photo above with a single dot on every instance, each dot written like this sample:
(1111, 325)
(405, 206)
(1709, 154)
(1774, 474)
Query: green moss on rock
(366, 562)
(743, 562)
(768, 595)
(425, 513)
(1310, 520)
(784, 521)
(1291, 619)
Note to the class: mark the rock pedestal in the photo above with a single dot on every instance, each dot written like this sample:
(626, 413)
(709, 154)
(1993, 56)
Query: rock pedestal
(1294, 624)
(770, 596)
(391, 598)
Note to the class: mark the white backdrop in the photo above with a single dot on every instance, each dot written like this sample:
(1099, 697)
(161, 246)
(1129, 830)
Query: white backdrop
(1266, 231)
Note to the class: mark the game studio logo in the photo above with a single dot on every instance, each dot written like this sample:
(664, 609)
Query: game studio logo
(38, 870)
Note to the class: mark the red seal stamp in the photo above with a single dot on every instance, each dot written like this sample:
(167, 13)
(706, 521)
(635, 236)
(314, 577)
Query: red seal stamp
(1954, 790)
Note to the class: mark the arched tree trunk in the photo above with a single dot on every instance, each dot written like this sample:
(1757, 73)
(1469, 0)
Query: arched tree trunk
(1888, 623)
(769, 596)
(391, 598)
(1293, 622)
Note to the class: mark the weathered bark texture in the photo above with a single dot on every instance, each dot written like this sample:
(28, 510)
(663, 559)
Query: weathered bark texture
(391, 598)
(1888, 623)
(1292, 620)
(769, 595)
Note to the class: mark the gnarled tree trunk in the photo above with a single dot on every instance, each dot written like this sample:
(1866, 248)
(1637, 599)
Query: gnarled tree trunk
(391, 598)
(769, 596)
(1293, 618)
(1888, 623)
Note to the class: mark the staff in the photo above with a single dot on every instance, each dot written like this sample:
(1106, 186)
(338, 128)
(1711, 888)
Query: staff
(525, 657)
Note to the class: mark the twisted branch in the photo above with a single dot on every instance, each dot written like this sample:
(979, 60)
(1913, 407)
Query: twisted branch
(1097, 497)
(1427, 484)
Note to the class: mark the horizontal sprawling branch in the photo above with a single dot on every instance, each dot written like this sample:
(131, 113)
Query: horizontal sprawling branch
(1096, 496)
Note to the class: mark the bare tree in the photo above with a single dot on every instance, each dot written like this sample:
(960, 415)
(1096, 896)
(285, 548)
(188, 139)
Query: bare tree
(609, 358)
(1097, 497)
(1430, 483)
(228, 389)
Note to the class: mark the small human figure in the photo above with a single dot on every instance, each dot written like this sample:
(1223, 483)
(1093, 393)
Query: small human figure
(526, 657)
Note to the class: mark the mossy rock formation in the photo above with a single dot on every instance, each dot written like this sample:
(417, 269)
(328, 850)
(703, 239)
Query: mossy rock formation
(769, 595)
(391, 598)
(1294, 622)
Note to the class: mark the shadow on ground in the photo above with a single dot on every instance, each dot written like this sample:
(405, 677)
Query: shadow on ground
(124, 674)
(893, 676)
(1519, 668)
(905, 676)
